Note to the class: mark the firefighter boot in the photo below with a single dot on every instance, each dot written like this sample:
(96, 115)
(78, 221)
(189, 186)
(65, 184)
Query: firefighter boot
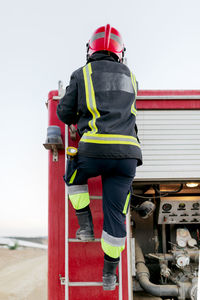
(109, 275)
(85, 232)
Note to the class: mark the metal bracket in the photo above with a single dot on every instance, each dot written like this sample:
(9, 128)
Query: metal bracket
(72, 130)
(61, 91)
(62, 279)
(55, 153)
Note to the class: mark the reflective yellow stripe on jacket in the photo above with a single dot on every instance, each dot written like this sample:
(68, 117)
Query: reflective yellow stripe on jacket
(109, 139)
(90, 97)
(133, 109)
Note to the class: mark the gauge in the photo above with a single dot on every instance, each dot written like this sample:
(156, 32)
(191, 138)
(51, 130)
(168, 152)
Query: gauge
(182, 260)
(181, 243)
(166, 207)
(181, 206)
(192, 243)
(195, 205)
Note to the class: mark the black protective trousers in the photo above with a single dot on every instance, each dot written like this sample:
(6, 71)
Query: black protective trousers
(117, 176)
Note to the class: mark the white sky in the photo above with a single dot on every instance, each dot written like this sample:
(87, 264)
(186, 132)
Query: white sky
(43, 42)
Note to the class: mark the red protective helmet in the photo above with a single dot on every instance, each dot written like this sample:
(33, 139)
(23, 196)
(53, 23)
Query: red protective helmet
(106, 38)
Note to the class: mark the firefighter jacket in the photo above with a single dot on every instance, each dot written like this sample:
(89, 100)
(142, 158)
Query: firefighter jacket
(101, 100)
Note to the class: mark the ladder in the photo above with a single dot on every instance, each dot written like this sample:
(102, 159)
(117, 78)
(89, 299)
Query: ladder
(75, 267)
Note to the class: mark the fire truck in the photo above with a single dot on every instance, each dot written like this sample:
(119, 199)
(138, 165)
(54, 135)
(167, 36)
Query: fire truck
(161, 257)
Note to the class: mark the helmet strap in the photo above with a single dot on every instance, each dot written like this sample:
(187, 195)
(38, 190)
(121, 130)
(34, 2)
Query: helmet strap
(87, 49)
(122, 59)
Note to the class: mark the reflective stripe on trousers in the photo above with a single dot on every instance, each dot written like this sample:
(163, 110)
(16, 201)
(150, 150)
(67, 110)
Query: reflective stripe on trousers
(111, 245)
(79, 196)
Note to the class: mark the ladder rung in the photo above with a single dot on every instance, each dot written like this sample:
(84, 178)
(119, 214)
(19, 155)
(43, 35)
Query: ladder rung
(95, 197)
(86, 283)
(79, 241)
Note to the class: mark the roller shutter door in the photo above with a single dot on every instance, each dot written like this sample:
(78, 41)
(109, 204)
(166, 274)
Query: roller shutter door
(170, 141)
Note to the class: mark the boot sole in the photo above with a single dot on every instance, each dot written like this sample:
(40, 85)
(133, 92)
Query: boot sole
(108, 284)
(85, 239)
(109, 288)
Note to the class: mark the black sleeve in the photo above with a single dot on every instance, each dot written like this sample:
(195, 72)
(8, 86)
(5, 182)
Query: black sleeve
(67, 109)
(136, 131)
(137, 85)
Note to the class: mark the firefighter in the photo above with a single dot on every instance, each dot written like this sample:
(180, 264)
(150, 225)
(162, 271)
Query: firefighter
(101, 100)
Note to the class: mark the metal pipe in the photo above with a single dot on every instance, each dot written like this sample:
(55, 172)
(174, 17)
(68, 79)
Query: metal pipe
(194, 255)
(164, 244)
(143, 277)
